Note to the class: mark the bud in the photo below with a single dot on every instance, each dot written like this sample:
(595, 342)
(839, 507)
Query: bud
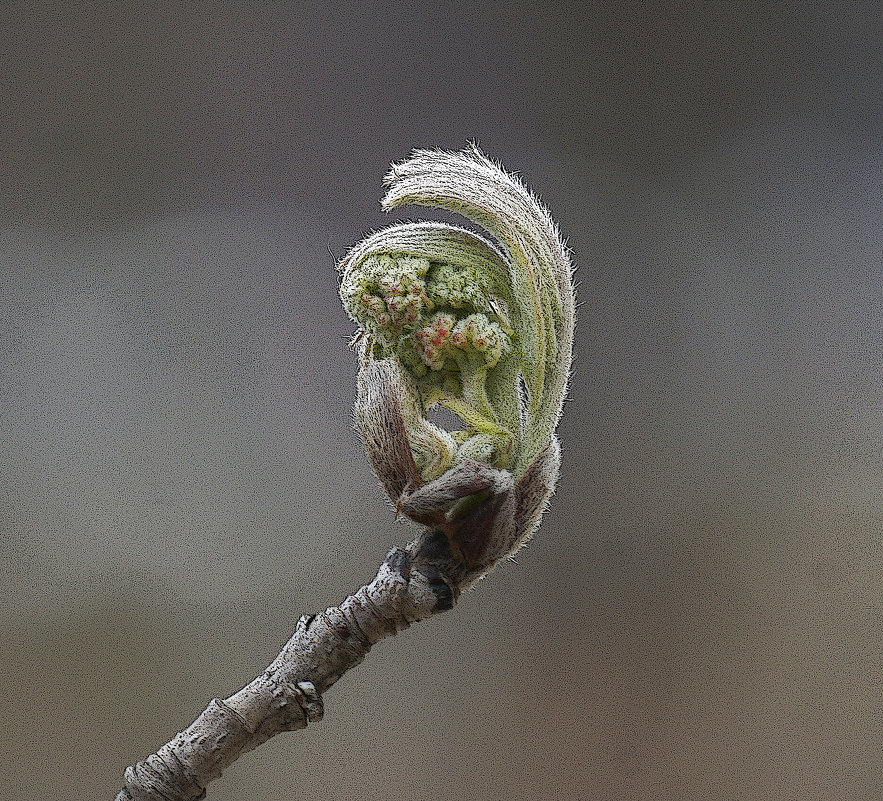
(482, 326)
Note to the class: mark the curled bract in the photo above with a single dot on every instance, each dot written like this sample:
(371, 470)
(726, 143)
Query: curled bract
(482, 325)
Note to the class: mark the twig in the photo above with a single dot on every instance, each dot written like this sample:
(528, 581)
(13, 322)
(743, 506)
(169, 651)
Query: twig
(411, 585)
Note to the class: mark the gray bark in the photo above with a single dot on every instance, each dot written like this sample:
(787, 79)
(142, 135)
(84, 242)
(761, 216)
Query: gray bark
(411, 585)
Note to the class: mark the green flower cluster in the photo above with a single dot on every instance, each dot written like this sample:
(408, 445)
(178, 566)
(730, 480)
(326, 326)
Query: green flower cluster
(387, 296)
(434, 316)
(445, 340)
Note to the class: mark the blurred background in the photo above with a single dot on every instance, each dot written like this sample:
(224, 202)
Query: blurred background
(699, 616)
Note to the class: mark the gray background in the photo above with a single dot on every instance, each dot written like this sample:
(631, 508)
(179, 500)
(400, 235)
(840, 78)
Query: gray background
(700, 614)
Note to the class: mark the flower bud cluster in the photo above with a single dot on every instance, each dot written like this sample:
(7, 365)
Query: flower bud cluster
(387, 296)
(447, 342)
(455, 285)
(437, 317)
